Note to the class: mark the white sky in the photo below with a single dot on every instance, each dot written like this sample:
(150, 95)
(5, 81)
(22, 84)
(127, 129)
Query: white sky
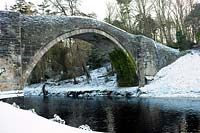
(88, 6)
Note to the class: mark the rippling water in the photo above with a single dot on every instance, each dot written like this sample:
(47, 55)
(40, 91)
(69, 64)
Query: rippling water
(120, 115)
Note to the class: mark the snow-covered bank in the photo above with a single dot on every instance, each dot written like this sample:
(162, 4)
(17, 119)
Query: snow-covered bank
(99, 86)
(9, 94)
(14, 120)
(180, 79)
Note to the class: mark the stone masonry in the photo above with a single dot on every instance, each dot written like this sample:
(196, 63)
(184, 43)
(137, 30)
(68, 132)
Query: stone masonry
(25, 39)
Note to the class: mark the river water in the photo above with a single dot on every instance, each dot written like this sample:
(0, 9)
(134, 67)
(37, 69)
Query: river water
(120, 115)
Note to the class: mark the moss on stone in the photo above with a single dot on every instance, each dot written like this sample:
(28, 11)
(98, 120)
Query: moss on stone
(125, 68)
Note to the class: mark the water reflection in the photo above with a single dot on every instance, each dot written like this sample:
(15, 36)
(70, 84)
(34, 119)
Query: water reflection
(118, 115)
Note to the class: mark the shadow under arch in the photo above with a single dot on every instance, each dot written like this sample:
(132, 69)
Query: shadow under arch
(39, 54)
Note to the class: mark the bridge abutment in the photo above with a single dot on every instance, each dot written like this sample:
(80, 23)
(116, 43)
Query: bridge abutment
(10, 50)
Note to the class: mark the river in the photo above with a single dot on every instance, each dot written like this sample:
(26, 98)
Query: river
(127, 115)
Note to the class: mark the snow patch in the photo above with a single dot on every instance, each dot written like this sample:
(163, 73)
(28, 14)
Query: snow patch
(14, 120)
(57, 118)
(180, 79)
(99, 86)
(85, 127)
(9, 94)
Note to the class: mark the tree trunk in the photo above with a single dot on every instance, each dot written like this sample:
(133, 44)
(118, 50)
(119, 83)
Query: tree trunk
(86, 71)
(75, 81)
(83, 64)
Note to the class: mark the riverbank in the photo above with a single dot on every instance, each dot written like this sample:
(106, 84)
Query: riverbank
(100, 85)
(15, 120)
(10, 94)
(180, 79)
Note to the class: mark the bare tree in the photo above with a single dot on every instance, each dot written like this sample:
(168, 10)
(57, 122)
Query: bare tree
(124, 14)
(110, 12)
(65, 7)
(164, 19)
(181, 9)
(143, 23)
(193, 24)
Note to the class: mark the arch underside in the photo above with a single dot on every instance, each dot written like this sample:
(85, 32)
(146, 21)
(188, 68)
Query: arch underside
(93, 36)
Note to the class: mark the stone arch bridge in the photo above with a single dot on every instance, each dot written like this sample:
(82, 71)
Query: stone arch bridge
(25, 39)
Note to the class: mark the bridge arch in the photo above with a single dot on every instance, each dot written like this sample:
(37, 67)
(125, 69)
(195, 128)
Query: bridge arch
(41, 52)
(25, 39)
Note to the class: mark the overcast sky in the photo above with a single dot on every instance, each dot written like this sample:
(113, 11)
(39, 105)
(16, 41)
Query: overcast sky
(88, 6)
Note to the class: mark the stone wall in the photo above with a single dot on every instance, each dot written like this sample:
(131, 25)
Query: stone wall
(10, 58)
(155, 55)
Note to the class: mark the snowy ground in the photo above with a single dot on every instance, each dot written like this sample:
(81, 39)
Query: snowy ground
(180, 79)
(99, 86)
(9, 94)
(14, 120)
